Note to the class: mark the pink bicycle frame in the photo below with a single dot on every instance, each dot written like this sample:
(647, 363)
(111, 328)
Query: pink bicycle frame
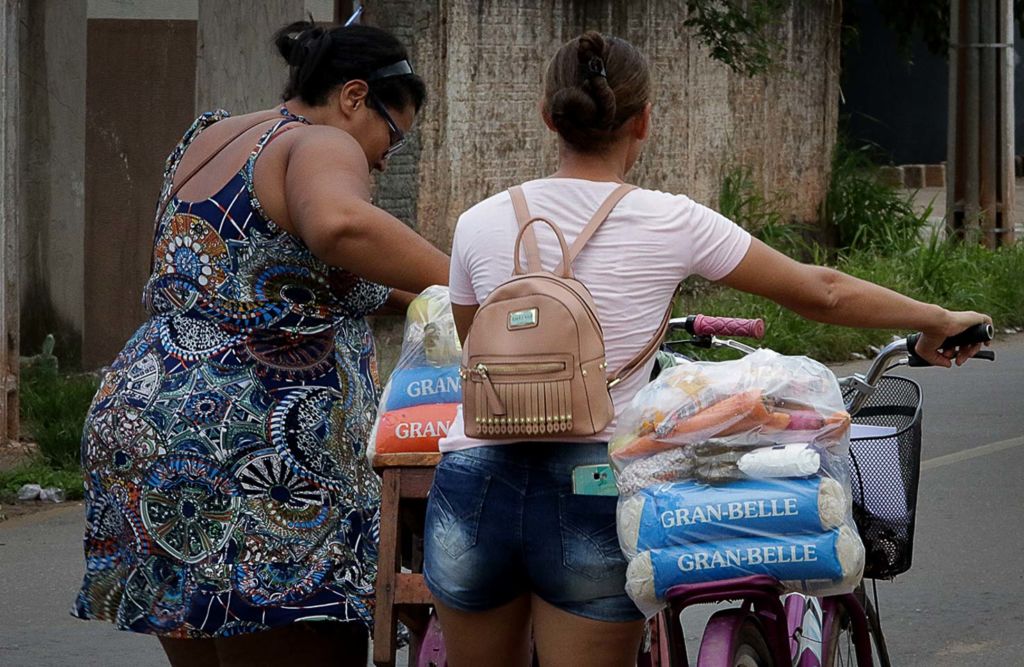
(762, 603)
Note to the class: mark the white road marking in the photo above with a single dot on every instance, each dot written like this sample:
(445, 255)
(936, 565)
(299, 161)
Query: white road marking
(972, 453)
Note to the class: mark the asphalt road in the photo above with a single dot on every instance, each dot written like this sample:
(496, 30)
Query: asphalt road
(960, 605)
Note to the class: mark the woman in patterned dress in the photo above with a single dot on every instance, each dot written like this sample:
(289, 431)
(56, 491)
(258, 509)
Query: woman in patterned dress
(228, 501)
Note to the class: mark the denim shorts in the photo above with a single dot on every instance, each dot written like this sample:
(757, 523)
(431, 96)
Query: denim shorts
(503, 521)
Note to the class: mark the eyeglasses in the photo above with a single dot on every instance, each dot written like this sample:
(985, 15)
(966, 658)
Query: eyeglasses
(397, 136)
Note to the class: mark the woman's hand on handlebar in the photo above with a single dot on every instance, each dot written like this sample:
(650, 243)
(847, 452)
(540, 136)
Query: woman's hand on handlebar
(931, 341)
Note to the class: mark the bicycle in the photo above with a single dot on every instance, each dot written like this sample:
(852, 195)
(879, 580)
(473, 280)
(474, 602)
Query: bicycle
(767, 631)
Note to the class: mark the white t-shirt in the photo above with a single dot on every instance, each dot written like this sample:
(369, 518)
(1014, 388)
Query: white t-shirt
(649, 244)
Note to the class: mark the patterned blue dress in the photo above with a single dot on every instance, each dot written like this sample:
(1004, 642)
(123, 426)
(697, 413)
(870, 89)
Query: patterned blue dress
(226, 487)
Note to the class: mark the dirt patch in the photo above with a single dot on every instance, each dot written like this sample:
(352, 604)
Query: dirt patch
(14, 453)
(19, 509)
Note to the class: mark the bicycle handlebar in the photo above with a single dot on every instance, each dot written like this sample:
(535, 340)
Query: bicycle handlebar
(705, 325)
(979, 333)
(904, 347)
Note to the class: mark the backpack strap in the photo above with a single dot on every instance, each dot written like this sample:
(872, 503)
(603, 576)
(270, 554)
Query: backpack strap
(637, 362)
(533, 251)
(523, 217)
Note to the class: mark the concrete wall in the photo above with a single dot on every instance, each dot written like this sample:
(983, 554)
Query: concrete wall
(53, 163)
(56, 295)
(484, 64)
(238, 68)
(132, 126)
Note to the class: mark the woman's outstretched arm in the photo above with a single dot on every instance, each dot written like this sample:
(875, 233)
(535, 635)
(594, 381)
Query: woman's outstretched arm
(833, 297)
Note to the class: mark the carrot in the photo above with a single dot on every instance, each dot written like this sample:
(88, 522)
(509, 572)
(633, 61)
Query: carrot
(837, 424)
(777, 421)
(735, 414)
(643, 446)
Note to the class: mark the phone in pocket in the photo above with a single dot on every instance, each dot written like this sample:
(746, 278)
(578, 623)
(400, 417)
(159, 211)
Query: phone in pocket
(594, 480)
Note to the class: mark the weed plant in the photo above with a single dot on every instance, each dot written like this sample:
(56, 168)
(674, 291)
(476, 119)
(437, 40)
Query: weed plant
(862, 213)
(53, 408)
(879, 239)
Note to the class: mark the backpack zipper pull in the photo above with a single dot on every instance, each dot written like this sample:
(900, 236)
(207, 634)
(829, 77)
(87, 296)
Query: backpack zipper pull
(493, 400)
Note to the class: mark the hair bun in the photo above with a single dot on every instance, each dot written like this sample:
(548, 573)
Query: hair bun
(592, 86)
(293, 41)
(591, 45)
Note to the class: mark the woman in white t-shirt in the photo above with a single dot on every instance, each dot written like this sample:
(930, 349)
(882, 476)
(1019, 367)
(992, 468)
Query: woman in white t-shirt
(511, 552)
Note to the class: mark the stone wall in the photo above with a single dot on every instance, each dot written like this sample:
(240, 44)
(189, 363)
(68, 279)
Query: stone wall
(481, 131)
(52, 132)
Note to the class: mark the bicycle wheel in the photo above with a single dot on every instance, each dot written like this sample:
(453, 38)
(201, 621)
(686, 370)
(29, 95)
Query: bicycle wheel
(751, 648)
(840, 649)
(733, 639)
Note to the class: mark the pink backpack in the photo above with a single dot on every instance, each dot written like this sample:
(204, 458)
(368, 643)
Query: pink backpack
(533, 365)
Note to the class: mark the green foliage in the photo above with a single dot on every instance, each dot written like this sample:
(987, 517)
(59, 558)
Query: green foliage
(861, 212)
(878, 238)
(40, 472)
(742, 201)
(958, 276)
(53, 408)
(738, 33)
(927, 19)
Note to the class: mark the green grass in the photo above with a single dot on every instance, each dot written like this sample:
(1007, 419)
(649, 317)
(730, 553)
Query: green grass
(741, 200)
(38, 471)
(53, 408)
(956, 276)
(860, 212)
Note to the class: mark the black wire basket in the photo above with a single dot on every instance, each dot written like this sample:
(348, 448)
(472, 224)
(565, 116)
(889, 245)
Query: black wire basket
(885, 471)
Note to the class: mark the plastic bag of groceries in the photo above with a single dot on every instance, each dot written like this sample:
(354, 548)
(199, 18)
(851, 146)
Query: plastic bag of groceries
(736, 468)
(419, 400)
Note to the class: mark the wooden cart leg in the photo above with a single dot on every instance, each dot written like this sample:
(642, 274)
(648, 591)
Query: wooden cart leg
(385, 620)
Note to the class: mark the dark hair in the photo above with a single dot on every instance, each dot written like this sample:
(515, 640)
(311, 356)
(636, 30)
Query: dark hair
(593, 85)
(323, 56)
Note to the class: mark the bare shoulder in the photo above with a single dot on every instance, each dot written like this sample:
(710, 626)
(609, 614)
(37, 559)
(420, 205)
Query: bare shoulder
(326, 145)
(321, 162)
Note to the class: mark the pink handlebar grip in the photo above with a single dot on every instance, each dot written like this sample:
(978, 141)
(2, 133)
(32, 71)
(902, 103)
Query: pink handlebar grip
(703, 325)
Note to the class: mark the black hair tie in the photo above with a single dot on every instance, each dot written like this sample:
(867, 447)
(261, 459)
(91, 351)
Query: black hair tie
(596, 67)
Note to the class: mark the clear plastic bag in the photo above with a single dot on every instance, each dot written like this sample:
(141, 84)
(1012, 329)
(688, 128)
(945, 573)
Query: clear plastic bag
(736, 468)
(419, 400)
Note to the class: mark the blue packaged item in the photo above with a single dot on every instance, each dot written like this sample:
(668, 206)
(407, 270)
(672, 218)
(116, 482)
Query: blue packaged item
(685, 512)
(833, 556)
(424, 385)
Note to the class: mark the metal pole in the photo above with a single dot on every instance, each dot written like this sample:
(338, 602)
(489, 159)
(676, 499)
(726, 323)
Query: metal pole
(1007, 181)
(954, 124)
(969, 90)
(988, 147)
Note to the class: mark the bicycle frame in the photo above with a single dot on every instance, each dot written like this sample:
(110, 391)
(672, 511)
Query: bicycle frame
(761, 600)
